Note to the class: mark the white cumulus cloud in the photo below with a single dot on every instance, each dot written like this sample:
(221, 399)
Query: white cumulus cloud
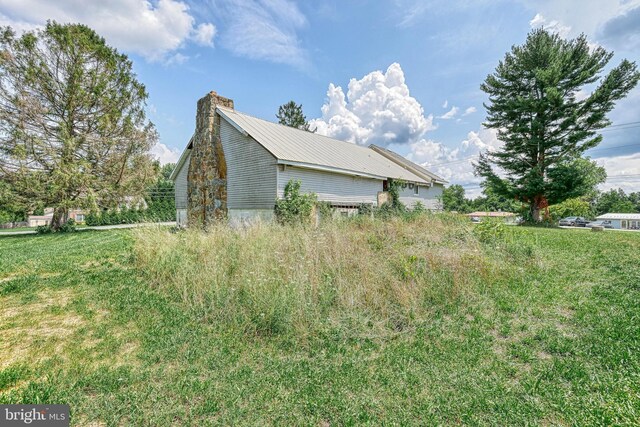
(165, 154)
(377, 109)
(539, 21)
(456, 164)
(204, 34)
(618, 170)
(152, 30)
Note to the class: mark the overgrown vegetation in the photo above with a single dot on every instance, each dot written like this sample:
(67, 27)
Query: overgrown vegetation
(295, 207)
(411, 321)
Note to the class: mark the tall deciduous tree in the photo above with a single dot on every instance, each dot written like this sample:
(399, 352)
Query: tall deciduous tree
(290, 114)
(545, 125)
(73, 131)
(453, 199)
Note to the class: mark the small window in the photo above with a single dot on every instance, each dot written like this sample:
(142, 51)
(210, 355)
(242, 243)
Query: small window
(416, 189)
(79, 218)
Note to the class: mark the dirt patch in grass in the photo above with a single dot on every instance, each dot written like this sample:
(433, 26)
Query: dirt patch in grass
(50, 327)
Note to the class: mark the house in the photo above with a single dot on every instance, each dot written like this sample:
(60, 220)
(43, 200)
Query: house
(236, 165)
(35, 220)
(622, 221)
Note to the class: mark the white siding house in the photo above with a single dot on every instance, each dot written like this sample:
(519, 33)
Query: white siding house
(261, 157)
(622, 221)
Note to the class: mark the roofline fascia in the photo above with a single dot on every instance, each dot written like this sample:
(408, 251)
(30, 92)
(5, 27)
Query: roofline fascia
(181, 160)
(231, 122)
(329, 169)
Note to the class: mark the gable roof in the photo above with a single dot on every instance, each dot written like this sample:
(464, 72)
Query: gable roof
(408, 164)
(297, 147)
(307, 149)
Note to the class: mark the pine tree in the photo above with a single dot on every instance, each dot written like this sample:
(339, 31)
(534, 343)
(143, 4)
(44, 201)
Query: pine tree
(73, 131)
(546, 127)
(290, 114)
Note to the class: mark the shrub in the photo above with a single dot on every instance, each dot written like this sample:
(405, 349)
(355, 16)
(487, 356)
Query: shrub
(294, 208)
(44, 229)
(68, 227)
(490, 230)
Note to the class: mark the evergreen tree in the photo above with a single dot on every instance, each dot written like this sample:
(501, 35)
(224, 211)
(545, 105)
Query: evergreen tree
(290, 114)
(545, 128)
(73, 131)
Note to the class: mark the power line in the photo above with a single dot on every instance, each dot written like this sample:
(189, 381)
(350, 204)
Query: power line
(624, 126)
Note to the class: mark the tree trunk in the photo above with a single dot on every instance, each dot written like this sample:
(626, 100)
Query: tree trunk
(538, 203)
(60, 216)
(534, 209)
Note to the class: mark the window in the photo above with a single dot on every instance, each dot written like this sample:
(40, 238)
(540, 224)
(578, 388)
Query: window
(79, 218)
(416, 189)
(623, 223)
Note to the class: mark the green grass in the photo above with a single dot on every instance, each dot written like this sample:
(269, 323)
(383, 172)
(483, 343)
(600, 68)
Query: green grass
(86, 320)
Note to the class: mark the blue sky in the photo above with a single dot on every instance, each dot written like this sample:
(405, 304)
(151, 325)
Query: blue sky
(415, 67)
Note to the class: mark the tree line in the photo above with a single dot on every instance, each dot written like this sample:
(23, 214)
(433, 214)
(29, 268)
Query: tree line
(593, 204)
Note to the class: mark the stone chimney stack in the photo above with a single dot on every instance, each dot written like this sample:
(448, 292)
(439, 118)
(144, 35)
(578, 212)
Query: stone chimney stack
(207, 175)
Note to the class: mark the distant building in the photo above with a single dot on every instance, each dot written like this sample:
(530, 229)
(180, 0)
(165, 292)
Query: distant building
(507, 216)
(36, 220)
(622, 221)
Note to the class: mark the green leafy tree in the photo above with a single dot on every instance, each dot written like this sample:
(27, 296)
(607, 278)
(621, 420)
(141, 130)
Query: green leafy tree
(12, 207)
(614, 201)
(635, 199)
(290, 114)
(545, 127)
(453, 199)
(492, 202)
(571, 207)
(73, 131)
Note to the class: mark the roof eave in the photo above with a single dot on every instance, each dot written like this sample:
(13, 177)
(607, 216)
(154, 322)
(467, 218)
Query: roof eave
(181, 160)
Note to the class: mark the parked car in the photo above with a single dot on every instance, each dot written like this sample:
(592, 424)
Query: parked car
(601, 223)
(582, 222)
(475, 219)
(573, 221)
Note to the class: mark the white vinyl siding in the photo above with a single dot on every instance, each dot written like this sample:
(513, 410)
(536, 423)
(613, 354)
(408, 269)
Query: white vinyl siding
(181, 184)
(331, 187)
(428, 196)
(251, 171)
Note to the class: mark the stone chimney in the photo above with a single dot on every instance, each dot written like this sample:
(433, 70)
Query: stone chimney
(207, 175)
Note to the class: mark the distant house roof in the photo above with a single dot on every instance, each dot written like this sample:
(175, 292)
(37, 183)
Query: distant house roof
(491, 214)
(631, 216)
(295, 147)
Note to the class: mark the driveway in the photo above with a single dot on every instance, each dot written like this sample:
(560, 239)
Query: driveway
(96, 227)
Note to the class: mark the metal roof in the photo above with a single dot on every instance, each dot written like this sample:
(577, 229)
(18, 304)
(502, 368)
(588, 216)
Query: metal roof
(306, 149)
(408, 164)
(631, 216)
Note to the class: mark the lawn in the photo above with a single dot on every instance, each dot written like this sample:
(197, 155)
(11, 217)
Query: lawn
(539, 327)
(14, 230)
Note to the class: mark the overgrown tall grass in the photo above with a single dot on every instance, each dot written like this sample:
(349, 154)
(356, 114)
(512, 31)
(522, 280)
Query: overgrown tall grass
(369, 275)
